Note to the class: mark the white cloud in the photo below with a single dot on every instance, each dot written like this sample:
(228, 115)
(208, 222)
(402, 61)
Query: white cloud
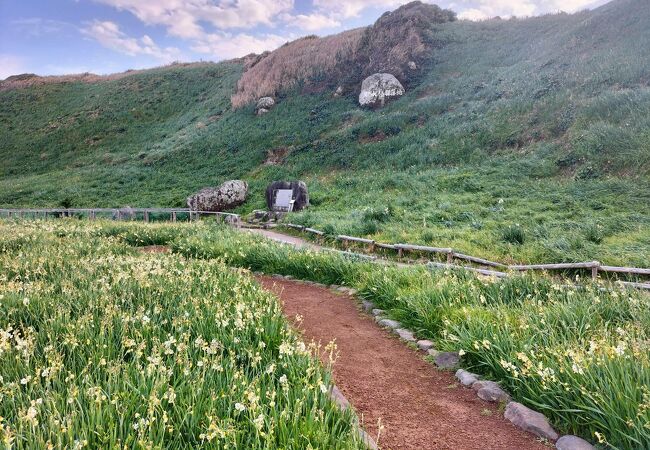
(352, 8)
(37, 26)
(226, 46)
(109, 35)
(466, 9)
(183, 18)
(473, 14)
(311, 22)
(483, 9)
(11, 65)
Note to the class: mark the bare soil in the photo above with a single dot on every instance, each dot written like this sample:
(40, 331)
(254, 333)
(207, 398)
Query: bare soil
(419, 406)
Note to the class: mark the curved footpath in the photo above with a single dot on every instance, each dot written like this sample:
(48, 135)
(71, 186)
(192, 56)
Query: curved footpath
(418, 406)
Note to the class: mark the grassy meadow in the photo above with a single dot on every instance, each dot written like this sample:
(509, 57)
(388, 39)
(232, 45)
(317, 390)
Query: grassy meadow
(577, 354)
(521, 140)
(102, 346)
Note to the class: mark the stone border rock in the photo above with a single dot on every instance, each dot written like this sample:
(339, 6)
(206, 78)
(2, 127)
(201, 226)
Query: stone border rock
(519, 415)
(489, 391)
(337, 397)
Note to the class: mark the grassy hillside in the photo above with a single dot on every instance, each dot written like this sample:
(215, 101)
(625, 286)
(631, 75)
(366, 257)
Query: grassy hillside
(522, 139)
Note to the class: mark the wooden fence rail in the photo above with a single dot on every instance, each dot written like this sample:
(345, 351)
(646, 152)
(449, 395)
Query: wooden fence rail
(594, 266)
(117, 213)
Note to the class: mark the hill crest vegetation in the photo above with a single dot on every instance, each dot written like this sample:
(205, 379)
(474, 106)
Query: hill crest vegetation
(318, 64)
(541, 125)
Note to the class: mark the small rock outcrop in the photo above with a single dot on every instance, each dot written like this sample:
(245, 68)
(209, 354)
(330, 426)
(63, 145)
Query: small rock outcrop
(412, 65)
(263, 105)
(569, 442)
(378, 88)
(425, 344)
(227, 196)
(300, 193)
(529, 420)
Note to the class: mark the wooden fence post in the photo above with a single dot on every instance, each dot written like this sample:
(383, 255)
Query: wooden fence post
(146, 216)
(594, 270)
(450, 257)
(173, 216)
(371, 247)
(400, 252)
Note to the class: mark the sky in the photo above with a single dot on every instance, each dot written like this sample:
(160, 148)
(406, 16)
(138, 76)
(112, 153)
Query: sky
(54, 37)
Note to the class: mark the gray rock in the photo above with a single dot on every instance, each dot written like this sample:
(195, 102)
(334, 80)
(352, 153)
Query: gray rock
(337, 397)
(529, 420)
(390, 323)
(338, 92)
(405, 335)
(466, 378)
(569, 442)
(352, 291)
(265, 103)
(300, 193)
(124, 213)
(288, 277)
(490, 391)
(262, 111)
(433, 352)
(447, 360)
(412, 65)
(229, 195)
(367, 305)
(368, 441)
(425, 345)
(378, 88)
(378, 312)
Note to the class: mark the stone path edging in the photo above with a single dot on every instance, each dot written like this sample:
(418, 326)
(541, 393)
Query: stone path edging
(337, 397)
(519, 415)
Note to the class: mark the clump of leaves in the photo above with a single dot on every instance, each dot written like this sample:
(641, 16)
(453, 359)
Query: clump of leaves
(513, 234)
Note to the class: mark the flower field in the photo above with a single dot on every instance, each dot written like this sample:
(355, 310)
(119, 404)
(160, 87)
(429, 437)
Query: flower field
(579, 355)
(102, 346)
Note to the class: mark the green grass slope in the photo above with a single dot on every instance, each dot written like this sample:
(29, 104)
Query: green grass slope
(523, 139)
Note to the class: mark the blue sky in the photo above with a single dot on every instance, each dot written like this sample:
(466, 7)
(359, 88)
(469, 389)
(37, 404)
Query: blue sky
(52, 37)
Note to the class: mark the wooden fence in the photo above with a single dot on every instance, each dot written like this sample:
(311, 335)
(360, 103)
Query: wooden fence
(145, 214)
(450, 255)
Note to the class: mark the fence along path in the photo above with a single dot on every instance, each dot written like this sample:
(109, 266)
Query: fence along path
(594, 266)
(119, 213)
(235, 220)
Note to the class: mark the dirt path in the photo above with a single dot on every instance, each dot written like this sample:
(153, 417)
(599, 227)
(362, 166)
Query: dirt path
(419, 406)
(287, 239)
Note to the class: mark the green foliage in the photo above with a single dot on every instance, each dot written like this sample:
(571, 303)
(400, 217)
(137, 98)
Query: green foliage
(513, 234)
(549, 114)
(113, 348)
(576, 354)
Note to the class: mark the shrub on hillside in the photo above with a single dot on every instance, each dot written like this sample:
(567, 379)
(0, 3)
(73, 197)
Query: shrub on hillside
(513, 234)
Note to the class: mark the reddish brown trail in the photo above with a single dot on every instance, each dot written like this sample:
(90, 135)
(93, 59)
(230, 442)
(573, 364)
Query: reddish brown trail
(419, 406)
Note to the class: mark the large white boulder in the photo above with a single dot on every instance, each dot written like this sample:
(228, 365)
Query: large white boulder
(265, 103)
(378, 88)
(227, 196)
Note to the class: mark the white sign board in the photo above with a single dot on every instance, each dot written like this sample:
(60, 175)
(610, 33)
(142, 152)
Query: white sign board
(283, 199)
